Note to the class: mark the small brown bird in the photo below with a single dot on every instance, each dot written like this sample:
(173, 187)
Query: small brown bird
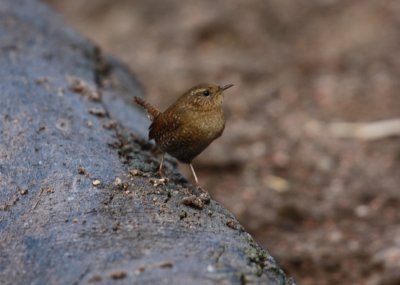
(190, 124)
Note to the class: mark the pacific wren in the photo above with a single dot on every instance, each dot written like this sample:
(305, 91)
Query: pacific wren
(190, 124)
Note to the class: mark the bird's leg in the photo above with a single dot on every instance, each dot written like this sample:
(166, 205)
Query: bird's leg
(161, 166)
(162, 180)
(194, 174)
(204, 196)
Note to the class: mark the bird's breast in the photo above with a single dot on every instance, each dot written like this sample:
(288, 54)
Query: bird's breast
(207, 125)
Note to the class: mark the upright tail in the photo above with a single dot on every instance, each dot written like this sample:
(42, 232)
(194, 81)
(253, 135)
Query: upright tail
(151, 110)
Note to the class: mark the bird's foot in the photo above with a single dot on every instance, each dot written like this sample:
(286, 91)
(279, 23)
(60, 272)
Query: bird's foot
(193, 201)
(198, 199)
(159, 181)
(204, 195)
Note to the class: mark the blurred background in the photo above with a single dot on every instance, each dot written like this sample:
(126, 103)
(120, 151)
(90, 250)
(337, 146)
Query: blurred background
(310, 158)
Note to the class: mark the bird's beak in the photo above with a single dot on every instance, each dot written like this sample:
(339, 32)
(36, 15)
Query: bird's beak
(223, 88)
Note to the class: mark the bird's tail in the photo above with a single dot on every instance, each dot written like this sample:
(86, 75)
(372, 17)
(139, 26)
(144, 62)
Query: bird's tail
(153, 111)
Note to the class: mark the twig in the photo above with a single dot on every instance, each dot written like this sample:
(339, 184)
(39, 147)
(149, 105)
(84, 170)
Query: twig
(366, 131)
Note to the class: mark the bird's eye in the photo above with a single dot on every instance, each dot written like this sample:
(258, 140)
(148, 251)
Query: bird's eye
(206, 93)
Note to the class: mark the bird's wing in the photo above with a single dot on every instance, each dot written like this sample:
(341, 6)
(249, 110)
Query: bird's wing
(164, 124)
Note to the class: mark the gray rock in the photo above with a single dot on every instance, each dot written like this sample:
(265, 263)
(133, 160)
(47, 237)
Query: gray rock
(78, 203)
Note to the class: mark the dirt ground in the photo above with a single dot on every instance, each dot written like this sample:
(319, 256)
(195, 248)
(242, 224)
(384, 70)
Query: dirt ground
(322, 197)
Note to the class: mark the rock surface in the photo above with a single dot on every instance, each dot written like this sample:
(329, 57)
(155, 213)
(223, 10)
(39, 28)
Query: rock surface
(78, 201)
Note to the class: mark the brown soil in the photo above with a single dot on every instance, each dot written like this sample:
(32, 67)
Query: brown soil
(324, 206)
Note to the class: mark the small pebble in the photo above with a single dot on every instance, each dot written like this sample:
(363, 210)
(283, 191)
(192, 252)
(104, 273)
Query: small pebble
(234, 225)
(82, 170)
(134, 172)
(118, 275)
(23, 191)
(98, 112)
(110, 125)
(118, 182)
